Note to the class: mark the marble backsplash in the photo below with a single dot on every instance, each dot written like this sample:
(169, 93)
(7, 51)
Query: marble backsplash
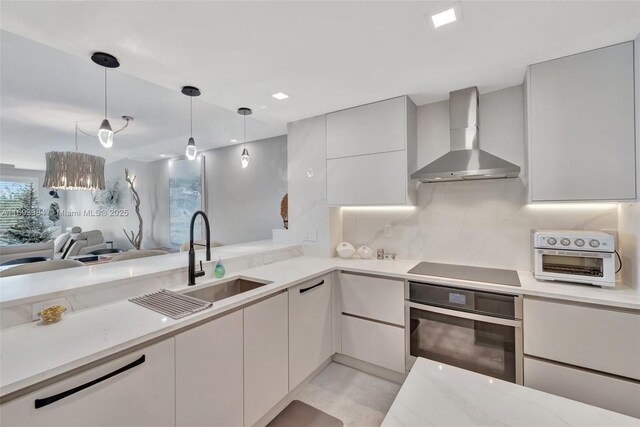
(483, 223)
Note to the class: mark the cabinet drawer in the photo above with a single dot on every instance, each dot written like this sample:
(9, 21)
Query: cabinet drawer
(142, 395)
(373, 342)
(605, 392)
(374, 179)
(595, 338)
(309, 328)
(367, 129)
(373, 297)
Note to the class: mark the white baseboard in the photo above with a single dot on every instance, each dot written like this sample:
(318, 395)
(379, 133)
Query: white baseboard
(370, 368)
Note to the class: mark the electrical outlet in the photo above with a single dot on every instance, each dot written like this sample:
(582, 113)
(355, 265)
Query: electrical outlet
(267, 259)
(388, 231)
(35, 308)
(310, 236)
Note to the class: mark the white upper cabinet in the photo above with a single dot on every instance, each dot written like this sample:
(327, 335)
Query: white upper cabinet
(371, 153)
(368, 129)
(581, 138)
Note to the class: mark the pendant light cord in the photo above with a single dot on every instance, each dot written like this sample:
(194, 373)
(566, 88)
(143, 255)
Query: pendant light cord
(191, 115)
(105, 92)
(244, 131)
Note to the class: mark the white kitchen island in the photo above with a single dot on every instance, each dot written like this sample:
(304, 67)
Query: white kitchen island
(436, 394)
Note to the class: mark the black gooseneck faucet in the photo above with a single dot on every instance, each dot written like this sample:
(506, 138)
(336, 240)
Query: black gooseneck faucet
(192, 253)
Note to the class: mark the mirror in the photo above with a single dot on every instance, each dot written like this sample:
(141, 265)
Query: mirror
(47, 91)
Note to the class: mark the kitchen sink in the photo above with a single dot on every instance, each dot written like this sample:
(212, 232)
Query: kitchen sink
(220, 291)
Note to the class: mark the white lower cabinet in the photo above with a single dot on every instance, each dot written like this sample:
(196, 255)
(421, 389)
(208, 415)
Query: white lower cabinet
(612, 393)
(599, 338)
(372, 297)
(374, 342)
(266, 356)
(209, 373)
(309, 328)
(134, 390)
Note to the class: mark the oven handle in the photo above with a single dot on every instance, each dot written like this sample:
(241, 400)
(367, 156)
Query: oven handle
(466, 315)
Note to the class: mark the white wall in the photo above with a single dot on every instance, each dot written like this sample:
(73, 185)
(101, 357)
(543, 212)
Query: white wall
(484, 223)
(112, 226)
(244, 204)
(307, 167)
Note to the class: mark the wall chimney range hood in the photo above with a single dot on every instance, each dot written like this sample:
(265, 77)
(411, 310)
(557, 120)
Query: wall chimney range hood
(465, 161)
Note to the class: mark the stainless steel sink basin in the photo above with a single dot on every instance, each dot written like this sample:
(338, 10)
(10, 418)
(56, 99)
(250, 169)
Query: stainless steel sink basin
(220, 291)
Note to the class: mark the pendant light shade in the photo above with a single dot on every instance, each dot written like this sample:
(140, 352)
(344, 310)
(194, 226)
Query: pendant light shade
(244, 157)
(105, 134)
(71, 170)
(191, 150)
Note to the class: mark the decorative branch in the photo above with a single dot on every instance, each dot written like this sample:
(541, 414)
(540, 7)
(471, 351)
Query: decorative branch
(135, 240)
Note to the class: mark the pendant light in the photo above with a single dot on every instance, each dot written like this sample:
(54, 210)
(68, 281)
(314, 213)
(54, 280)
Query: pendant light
(191, 150)
(71, 170)
(244, 157)
(105, 132)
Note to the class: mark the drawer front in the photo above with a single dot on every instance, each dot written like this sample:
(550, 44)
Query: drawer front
(605, 392)
(589, 337)
(373, 342)
(373, 297)
(309, 328)
(142, 395)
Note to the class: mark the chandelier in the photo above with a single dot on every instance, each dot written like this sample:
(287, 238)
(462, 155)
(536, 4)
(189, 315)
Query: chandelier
(71, 170)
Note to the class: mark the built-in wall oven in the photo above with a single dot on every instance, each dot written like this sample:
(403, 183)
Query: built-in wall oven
(475, 330)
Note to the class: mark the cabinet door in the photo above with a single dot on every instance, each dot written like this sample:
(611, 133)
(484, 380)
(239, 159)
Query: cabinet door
(140, 393)
(606, 392)
(209, 373)
(373, 297)
(375, 179)
(266, 356)
(309, 328)
(602, 339)
(367, 129)
(581, 126)
(374, 342)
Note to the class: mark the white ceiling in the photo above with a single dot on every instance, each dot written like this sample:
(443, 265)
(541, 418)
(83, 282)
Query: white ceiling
(326, 55)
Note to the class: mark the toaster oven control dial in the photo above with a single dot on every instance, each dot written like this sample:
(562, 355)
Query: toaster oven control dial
(579, 242)
(565, 242)
(552, 241)
(594, 243)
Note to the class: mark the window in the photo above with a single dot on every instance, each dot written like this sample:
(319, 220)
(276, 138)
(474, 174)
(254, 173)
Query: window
(186, 185)
(11, 188)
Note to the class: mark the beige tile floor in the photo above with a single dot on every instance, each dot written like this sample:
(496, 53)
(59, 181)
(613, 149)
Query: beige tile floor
(357, 398)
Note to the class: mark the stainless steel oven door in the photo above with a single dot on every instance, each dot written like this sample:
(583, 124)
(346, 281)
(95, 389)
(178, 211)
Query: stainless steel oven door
(484, 344)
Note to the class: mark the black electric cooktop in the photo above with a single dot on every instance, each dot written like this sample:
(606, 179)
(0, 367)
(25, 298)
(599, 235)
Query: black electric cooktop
(496, 276)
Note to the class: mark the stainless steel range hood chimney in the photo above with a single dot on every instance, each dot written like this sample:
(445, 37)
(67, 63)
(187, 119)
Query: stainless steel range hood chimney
(466, 160)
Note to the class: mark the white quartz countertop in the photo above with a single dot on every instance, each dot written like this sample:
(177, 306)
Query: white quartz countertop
(436, 394)
(27, 288)
(32, 353)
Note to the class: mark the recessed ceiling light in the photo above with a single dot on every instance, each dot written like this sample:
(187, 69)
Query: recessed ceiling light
(280, 96)
(163, 155)
(234, 140)
(443, 18)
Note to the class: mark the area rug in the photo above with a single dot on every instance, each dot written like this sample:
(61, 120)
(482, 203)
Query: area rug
(299, 414)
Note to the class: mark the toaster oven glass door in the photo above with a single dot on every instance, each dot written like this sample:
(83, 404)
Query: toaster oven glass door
(578, 265)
